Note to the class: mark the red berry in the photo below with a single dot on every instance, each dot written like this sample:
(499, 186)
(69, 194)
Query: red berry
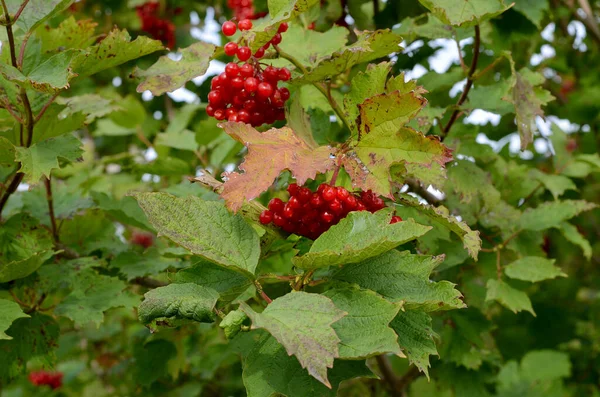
(245, 24)
(342, 193)
(329, 193)
(229, 28)
(233, 117)
(316, 200)
(210, 111)
(292, 189)
(285, 93)
(237, 83)
(265, 90)
(219, 114)
(276, 205)
(327, 217)
(244, 116)
(214, 97)
(231, 49)
(246, 70)
(244, 53)
(279, 220)
(266, 217)
(304, 194)
(284, 74)
(294, 203)
(288, 211)
(232, 69)
(283, 27)
(335, 206)
(395, 219)
(260, 52)
(377, 204)
(276, 39)
(251, 84)
(271, 73)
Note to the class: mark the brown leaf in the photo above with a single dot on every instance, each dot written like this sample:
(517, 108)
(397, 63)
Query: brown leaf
(269, 153)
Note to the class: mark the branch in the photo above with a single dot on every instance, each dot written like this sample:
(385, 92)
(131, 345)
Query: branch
(321, 87)
(468, 85)
(589, 19)
(12, 187)
(416, 187)
(388, 375)
(9, 33)
(261, 292)
(50, 201)
(20, 10)
(148, 282)
(46, 106)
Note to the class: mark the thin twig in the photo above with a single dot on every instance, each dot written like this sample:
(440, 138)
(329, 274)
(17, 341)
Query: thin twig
(12, 113)
(388, 375)
(19, 11)
(9, 34)
(148, 282)
(589, 20)
(460, 55)
(416, 187)
(50, 200)
(261, 292)
(463, 97)
(12, 187)
(46, 106)
(498, 265)
(22, 51)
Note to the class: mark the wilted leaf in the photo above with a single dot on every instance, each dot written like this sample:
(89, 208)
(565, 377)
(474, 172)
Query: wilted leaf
(269, 153)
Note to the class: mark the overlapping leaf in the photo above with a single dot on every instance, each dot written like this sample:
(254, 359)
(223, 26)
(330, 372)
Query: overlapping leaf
(205, 228)
(415, 337)
(302, 323)
(552, 214)
(167, 75)
(41, 158)
(179, 301)
(9, 312)
(359, 236)
(511, 298)
(228, 283)
(365, 330)
(269, 153)
(402, 277)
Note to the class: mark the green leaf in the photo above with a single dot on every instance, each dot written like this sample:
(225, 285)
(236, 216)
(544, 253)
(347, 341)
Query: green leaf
(368, 47)
(365, 85)
(41, 158)
(36, 12)
(441, 215)
(359, 236)
(364, 331)
(177, 136)
(126, 210)
(534, 269)
(369, 162)
(536, 374)
(24, 246)
(115, 49)
(268, 370)
(7, 152)
(71, 33)
(415, 337)
(232, 323)
(93, 294)
(556, 184)
(403, 277)
(552, 214)
(301, 322)
(509, 297)
(384, 114)
(179, 301)
(228, 283)
(571, 233)
(133, 265)
(167, 75)
(534, 10)
(465, 12)
(286, 7)
(309, 47)
(9, 312)
(52, 125)
(205, 228)
(152, 360)
(32, 338)
(93, 106)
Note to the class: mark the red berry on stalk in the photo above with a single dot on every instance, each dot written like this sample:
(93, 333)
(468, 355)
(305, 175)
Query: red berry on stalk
(229, 28)
(276, 39)
(231, 49)
(292, 189)
(265, 90)
(283, 27)
(245, 24)
(266, 217)
(284, 74)
(251, 84)
(232, 69)
(260, 52)
(285, 93)
(246, 70)
(276, 205)
(219, 114)
(244, 53)
(214, 97)
(329, 193)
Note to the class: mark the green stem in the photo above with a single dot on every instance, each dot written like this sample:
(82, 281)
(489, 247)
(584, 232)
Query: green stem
(320, 86)
(50, 200)
(9, 33)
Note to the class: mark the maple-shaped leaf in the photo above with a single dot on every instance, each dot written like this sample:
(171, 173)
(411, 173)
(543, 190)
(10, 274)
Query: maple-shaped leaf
(369, 162)
(301, 322)
(269, 153)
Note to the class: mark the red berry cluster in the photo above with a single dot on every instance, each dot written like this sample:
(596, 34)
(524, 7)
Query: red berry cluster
(311, 214)
(52, 379)
(143, 239)
(246, 91)
(242, 9)
(158, 28)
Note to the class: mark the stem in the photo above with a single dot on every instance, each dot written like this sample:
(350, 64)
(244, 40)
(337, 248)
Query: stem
(12, 113)
(22, 51)
(488, 68)
(50, 200)
(9, 33)
(498, 265)
(335, 175)
(468, 85)
(46, 106)
(12, 187)
(20, 10)
(460, 55)
(416, 187)
(321, 87)
(29, 120)
(261, 292)
(148, 282)
(388, 375)
(375, 7)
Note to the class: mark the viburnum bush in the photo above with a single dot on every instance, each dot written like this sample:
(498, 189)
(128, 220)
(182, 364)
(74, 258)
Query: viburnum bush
(299, 198)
